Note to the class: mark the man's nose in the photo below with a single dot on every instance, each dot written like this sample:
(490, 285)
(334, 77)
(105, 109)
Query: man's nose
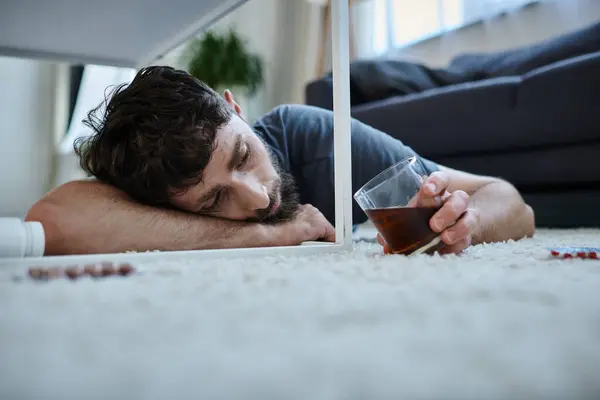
(253, 194)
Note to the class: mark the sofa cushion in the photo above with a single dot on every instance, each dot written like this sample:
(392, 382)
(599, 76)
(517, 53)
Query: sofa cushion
(553, 105)
(519, 61)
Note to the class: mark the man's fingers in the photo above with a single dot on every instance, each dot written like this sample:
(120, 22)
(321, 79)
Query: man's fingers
(424, 200)
(464, 227)
(450, 212)
(457, 247)
(433, 191)
(436, 184)
(329, 234)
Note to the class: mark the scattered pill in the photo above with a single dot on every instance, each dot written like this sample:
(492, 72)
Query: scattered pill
(108, 269)
(89, 269)
(54, 272)
(126, 269)
(73, 272)
(35, 272)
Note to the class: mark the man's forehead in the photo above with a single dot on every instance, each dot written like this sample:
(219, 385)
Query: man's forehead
(235, 124)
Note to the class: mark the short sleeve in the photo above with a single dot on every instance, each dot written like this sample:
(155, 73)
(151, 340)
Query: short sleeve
(302, 138)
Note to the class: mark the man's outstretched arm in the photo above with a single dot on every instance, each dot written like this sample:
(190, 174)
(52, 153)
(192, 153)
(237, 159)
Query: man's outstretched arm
(474, 209)
(87, 217)
(477, 209)
(502, 214)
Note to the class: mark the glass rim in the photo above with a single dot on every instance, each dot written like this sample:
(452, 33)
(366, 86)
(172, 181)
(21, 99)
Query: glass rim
(363, 191)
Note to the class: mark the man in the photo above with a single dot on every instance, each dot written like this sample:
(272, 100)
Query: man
(178, 168)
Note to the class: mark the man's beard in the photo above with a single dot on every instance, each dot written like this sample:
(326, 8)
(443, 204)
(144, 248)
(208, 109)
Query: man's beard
(284, 196)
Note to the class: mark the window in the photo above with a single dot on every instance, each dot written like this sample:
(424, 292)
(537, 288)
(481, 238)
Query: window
(400, 23)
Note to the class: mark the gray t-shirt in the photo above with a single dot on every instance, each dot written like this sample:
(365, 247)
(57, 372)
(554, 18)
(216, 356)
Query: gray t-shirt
(301, 137)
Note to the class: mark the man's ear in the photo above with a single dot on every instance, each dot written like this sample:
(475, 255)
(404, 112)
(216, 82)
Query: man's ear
(229, 98)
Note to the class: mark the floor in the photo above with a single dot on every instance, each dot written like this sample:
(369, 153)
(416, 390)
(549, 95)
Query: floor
(502, 321)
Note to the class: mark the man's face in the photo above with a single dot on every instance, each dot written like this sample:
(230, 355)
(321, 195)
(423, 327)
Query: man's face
(241, 181)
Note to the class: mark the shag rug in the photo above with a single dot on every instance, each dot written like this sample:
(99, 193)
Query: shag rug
(501, 321)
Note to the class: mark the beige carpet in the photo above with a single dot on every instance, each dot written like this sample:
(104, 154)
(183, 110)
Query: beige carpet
(502, 321)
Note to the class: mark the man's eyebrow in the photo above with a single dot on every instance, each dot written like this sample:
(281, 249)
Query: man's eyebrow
(235, 154)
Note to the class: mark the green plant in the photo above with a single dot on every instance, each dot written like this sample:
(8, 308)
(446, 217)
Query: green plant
(223, 60)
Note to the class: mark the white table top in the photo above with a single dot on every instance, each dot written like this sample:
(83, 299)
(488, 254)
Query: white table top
(110, 32)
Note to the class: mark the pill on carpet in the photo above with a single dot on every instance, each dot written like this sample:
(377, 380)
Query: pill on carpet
(108, 269)
(576, 252)
(73, 272)
(126, 269)
(34, 272)
(89, 269)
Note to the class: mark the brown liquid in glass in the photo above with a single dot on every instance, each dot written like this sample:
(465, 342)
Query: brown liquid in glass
(405, 229)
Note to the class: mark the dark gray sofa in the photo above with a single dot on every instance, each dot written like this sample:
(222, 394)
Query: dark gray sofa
(540, 130)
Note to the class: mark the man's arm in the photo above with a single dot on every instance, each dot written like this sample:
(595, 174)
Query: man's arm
(473, 209)
(500, 211)
(86, 217)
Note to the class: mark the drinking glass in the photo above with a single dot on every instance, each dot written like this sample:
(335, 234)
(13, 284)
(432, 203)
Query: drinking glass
(390, 200)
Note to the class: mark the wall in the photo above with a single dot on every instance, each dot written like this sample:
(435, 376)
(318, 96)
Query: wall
(26, 133)
(530, 25)
(257, 21)
(285, 34)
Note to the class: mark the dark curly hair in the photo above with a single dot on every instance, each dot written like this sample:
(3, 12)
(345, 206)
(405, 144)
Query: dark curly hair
(155, 136)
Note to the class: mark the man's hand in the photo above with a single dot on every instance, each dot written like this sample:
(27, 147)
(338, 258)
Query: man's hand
(456, 221)
(308, 225)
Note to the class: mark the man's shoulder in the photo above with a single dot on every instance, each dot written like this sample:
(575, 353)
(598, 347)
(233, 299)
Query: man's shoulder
(291, 130)
(292, 113)
(294, 121)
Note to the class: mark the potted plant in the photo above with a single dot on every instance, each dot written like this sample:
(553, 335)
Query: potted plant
(223, 61)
